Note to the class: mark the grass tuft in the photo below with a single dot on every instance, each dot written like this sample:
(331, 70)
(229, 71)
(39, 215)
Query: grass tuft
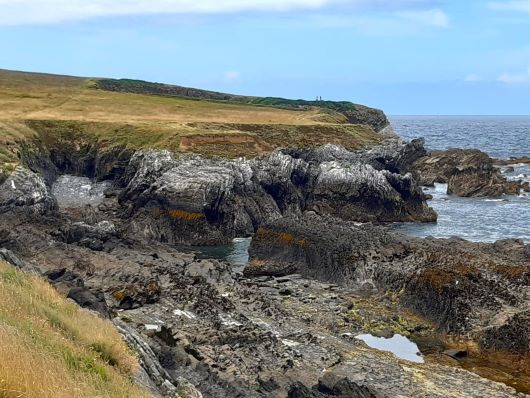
(52, 348)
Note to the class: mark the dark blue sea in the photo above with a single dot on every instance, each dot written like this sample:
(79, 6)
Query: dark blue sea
(476, 219)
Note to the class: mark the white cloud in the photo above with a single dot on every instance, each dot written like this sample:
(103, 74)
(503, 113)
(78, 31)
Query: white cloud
(389, 24)
(515, 78)
(519, 5)
(231, 76)
(434, 17)
(16, 12)
(472, 78)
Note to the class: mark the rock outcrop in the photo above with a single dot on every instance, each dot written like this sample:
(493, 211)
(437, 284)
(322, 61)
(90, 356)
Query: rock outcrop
(208, 201)
(25, 193)
(468, 172)
(459, 285)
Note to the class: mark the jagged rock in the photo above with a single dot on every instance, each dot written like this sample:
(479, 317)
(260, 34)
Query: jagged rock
(298, 390)
(340, 386)
(5, 237)
(513, 335)
(210, 201)
(65, 277)
(25, 193)
(331, 385)
(227, 335)
(137, 295)
(91, 236)
(158, 378)
(468, 172)
(11, 258)
(90, 300)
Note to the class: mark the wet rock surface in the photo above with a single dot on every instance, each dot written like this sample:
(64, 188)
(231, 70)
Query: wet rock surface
(459, 285)
(468, 172)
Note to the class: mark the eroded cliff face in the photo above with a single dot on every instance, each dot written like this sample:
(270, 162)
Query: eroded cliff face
(190, 199)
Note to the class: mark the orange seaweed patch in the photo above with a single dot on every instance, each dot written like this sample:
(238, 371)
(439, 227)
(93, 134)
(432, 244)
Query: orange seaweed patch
(185, 215)
(283, 237)
(439, 278)
(512, 271)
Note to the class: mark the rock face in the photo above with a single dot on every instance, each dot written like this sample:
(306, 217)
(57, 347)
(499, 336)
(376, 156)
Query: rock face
(459, 285)
(468, 172)
(25, 193)
(50, 155)
(361, 114)
(208, 201)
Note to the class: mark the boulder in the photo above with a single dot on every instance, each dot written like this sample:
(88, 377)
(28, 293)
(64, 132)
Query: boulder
(25, 193)
(90, 236)
(90, 300)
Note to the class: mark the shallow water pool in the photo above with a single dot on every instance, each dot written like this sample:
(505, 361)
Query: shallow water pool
(398, 345)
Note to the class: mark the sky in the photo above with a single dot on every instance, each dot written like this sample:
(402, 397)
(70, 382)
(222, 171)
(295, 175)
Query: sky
(407, 57)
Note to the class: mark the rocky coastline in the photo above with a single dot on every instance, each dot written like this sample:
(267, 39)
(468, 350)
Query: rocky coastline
(324, 268)
(468, 173)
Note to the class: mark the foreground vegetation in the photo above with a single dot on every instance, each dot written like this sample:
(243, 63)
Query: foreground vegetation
(49, 347)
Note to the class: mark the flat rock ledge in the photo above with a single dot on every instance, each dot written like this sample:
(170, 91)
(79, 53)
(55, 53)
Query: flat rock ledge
(472, 290)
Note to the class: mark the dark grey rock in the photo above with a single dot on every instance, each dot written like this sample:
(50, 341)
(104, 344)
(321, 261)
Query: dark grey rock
(194, 200)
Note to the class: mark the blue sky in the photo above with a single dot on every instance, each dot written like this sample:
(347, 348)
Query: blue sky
(404, 56)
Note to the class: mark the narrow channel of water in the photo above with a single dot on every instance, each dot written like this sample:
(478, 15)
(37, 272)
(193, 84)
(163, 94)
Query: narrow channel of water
(235, 253)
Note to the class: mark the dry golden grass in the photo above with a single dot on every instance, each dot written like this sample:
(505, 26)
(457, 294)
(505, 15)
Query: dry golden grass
(39, 96)
(49, 347)
(38, 104)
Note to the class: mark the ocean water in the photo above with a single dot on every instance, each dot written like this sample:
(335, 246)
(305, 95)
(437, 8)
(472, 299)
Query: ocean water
(475, 219)
(499, 136)
(236, 253)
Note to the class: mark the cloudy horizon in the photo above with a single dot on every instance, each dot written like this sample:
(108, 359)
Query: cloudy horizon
(405, 56)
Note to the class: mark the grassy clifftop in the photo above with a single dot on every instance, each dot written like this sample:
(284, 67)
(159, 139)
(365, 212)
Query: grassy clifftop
(142, 114)
(50, 348)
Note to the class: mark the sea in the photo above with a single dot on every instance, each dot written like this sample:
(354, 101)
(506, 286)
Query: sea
(474, 219)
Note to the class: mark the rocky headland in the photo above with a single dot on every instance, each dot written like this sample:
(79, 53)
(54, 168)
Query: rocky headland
(324, 266)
